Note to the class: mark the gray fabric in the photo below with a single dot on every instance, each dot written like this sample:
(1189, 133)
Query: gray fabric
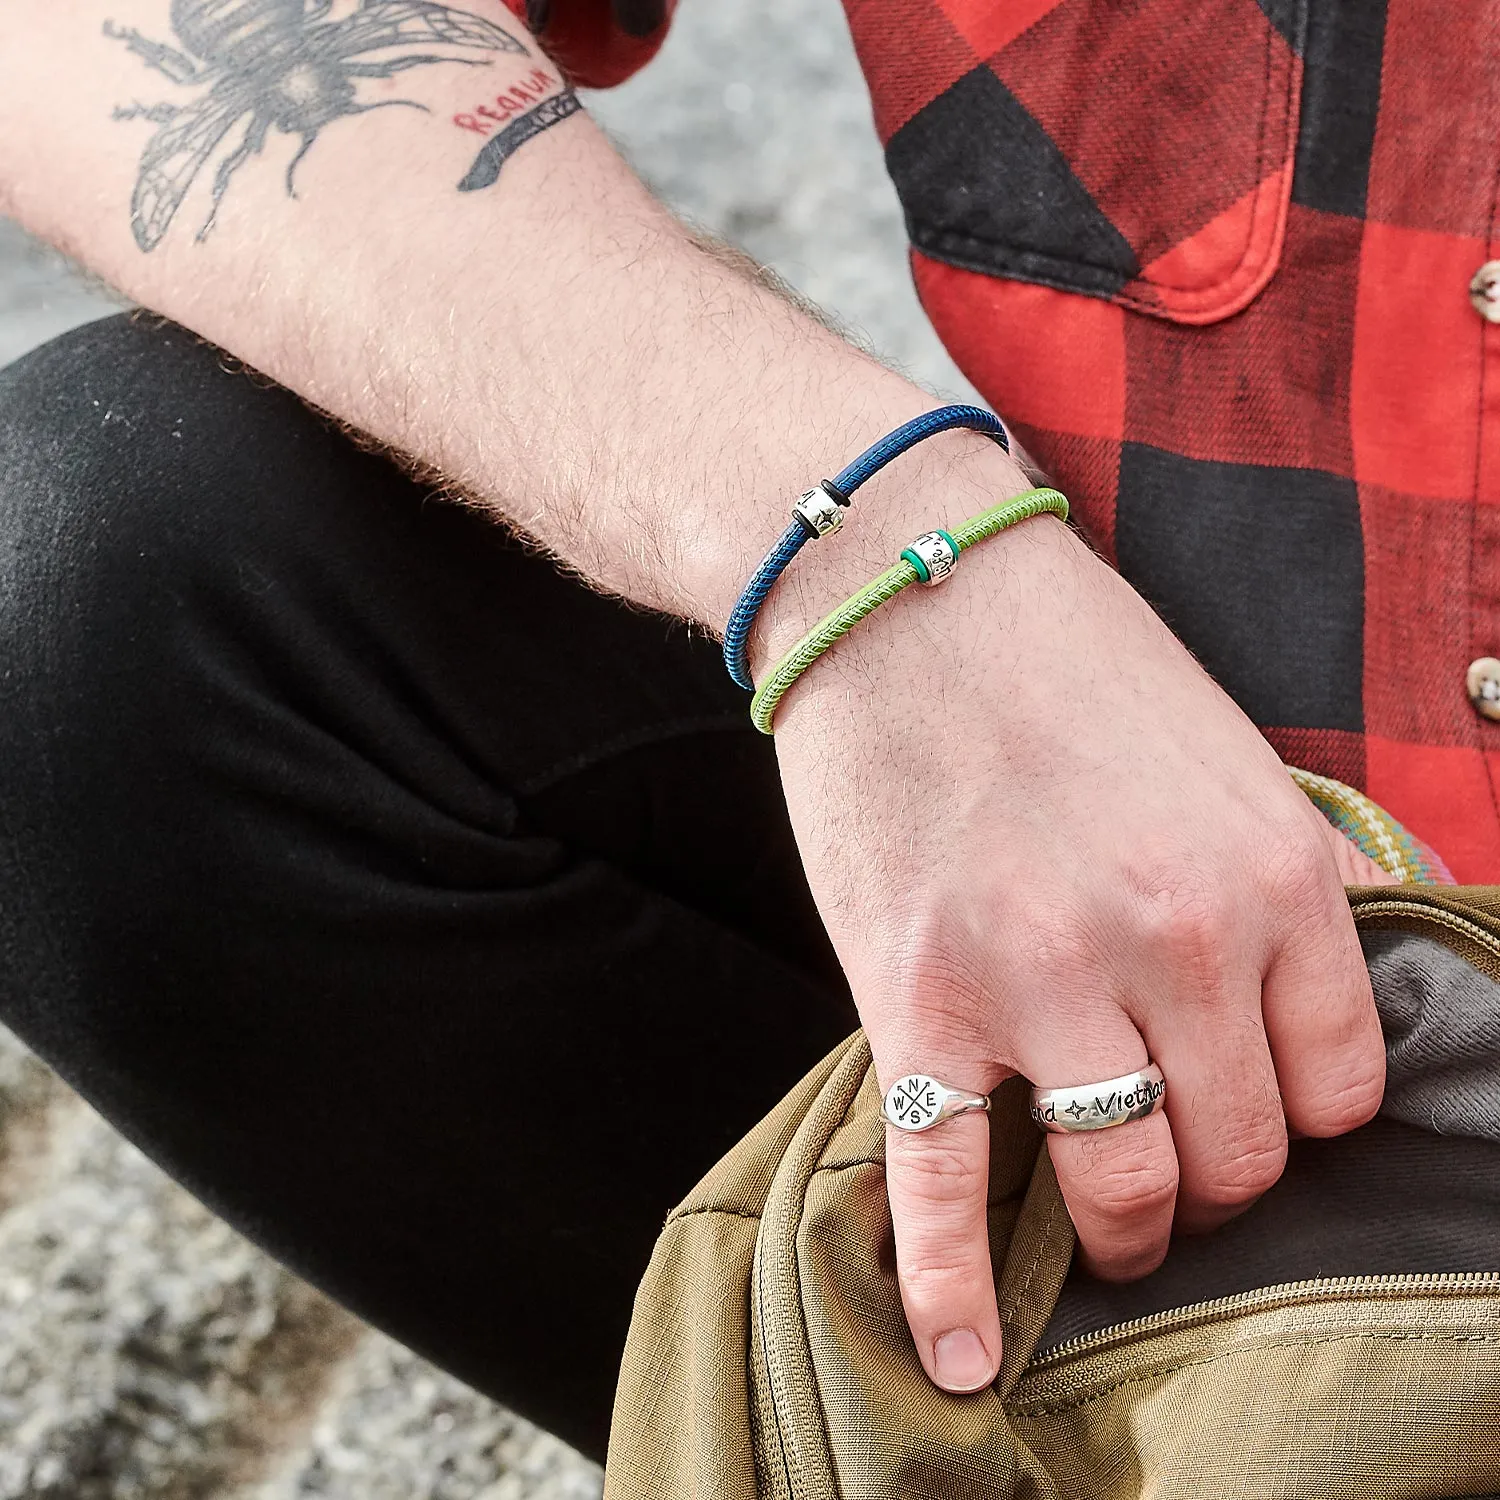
(1442, 1036)
(1416, 1191)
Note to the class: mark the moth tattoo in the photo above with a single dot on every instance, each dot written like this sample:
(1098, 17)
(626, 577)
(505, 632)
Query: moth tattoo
(286, 65)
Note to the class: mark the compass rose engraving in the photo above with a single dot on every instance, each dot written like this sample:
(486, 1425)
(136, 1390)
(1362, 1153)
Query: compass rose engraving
(914, 1102)
(918, 1102)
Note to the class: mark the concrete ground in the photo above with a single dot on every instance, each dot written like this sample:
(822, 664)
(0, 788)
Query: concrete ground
(145, 1349)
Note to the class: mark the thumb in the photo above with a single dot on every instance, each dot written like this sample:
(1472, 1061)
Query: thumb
(1354, 865)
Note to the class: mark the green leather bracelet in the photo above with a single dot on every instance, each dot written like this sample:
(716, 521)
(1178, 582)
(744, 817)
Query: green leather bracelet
(930, 559)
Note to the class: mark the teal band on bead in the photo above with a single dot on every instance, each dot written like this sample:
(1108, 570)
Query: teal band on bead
(835, 626)
(923, 576)
(947, 536)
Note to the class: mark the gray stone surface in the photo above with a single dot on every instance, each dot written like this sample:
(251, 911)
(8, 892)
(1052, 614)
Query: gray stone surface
(146, 1351)
(755, 124)
(40, 296)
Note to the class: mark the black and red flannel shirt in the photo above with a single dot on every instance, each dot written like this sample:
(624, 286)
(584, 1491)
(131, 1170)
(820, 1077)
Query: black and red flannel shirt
(1213, 259)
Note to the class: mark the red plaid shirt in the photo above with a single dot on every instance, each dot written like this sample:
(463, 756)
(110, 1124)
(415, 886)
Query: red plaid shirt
(598, 43)
(1213, 260)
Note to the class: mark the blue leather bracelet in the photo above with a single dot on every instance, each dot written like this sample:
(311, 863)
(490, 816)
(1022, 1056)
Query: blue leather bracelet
(819, 511)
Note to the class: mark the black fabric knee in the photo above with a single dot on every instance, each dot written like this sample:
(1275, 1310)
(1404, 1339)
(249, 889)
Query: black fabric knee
(434, 919)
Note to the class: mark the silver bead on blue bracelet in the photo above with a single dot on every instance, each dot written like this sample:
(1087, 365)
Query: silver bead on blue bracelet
(820, 511)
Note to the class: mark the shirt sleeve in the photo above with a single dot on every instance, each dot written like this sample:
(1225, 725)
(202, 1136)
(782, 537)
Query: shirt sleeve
(598, 43)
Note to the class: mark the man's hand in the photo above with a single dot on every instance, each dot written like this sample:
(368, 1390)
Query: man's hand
(1046, 843)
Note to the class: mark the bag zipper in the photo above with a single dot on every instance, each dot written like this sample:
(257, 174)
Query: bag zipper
(783, 1470)
(1265, 1299)
(793, 1458)
(1412, 907)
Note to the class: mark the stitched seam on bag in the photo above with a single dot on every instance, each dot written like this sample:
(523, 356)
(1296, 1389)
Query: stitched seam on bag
(844, 1166)
(1070, 1403)
(818, 1403)
(1012, 1303)
(733, 1213)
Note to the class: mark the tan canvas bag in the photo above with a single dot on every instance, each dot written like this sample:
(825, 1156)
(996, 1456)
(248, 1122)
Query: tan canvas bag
(768, 1356)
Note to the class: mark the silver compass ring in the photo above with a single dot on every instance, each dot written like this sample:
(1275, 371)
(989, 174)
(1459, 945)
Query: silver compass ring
(918, 1102)
(1100, 1106)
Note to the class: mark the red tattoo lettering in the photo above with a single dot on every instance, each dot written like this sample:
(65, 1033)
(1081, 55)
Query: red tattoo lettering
(507, 104)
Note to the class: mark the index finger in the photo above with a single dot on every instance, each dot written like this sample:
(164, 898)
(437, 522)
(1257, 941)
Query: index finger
(938, 1183)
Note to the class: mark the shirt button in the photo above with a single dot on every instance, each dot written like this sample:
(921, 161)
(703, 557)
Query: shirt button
(1484, 291)
(1484, 686)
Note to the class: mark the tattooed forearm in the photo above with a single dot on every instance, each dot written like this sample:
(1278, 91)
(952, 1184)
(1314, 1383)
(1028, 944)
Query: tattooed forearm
(292, 66)
(500, 148)
(525, 110)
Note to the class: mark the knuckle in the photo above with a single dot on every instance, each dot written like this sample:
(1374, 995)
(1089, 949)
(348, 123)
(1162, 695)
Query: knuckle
(942, 1281)
(1136, 1183)
(1344, 1103)
(935, 1175)
(1298, 871)
(932, 969)
(1190, 925)
(1060, 943)
(1244, 1175)
(1333, 985)
(1128, 1259)
(1350, 1016)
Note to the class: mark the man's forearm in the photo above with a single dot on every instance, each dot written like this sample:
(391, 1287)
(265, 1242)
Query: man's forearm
(467, 271)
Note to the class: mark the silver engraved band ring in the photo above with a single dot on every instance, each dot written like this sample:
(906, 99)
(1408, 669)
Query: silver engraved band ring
(1100, 1106)
(918, 1102)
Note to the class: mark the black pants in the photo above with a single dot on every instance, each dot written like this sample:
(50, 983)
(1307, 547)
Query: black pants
(433, 919)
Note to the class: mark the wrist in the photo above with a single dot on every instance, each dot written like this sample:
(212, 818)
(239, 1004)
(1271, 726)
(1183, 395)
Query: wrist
(948, 479)
(882, 661)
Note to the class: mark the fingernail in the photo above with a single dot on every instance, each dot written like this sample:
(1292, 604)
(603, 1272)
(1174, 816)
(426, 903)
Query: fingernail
(960, 1361)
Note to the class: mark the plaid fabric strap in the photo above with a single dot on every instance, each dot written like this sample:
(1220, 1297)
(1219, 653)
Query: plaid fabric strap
(1372, 830)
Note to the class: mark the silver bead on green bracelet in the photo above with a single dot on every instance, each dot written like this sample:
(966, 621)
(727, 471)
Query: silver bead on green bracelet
(934, 555)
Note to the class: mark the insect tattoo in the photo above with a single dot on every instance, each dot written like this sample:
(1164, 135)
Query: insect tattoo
(293, 66)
